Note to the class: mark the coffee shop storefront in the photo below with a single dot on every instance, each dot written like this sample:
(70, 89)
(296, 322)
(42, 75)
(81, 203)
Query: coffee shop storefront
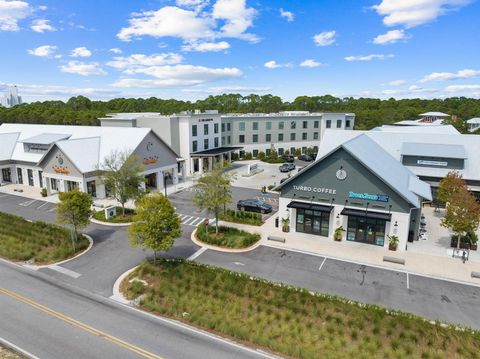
(347, 188)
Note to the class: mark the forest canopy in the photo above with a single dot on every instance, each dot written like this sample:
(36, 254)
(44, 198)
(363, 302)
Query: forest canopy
(370, 112)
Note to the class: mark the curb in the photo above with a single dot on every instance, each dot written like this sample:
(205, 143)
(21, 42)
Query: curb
(37, 267)
(16, 349)
(117, 295)
(96, 221)
(221, 249)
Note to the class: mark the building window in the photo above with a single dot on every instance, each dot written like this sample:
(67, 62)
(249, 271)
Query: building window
(268, 152)
(215, 142)
(228, 126)
(71, 185)
(268, 137)
(19, 176)
(305, 124)
(366, 230)
(254, 138)
(241, 139)
(255, 126)
(6, 175)
(40, 178)
(304, 150)
(268, 125)
(194, 146)
(91, 188)
(292, 137)
(339, 123)
(229, 140)
(315, 135)
(205, 129)
(54, 184)
(30, 177)
(314, 222)
(223, 141)
(347, 123)
(241, 126)
(223, 127)
(315, 124)
(215, 128)
(280, 137)
(304, 136)
(194, 130)
(293, 125)
(328, 124)
(205, 144)
(280, 125)
(255, 153)
(292, 150)
(280, 151)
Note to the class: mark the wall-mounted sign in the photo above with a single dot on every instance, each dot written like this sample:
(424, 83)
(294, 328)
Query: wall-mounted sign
(370, 197)
(341, 174)
(205, 119)
(150, 160)
(61, 169)
(315, 189)
(432, 163)
(149, 146)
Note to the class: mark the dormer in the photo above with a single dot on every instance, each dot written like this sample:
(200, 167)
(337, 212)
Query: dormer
(42, 142)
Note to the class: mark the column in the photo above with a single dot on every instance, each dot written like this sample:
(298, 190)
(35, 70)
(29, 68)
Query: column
(47, 185)
(175, 175)
(61, 185)
(183, 164)
(229, 157)
(220, 157)
(210, 164)
(159, 180)
(200, 165)
(101, 189)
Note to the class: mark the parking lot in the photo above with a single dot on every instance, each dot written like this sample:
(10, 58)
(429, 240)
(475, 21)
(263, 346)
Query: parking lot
(33, 209)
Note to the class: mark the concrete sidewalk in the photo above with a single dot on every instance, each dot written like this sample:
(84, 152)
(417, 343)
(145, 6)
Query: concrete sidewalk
(444, 267)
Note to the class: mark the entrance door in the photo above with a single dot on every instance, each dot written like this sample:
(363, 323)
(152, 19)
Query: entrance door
(151, 180)
(92, 189)
(366, 230)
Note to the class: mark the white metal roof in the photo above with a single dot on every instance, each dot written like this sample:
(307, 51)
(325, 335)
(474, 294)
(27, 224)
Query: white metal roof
(7, 145)
(445, 129)
(475, 120)
(437, 114)
(433, 150)
(419, 122)
(85, 154)
(392, 142)
(46, 138)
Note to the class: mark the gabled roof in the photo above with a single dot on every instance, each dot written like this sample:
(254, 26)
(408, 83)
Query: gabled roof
(383, 165)
(434, 150)
(90, 149)
(437, 114)
(7, 145)
(46, 138)
(474, 120)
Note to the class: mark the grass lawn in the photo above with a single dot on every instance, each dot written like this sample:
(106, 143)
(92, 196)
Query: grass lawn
(227, 237)
(291, 321)
(41, 242)
(119, 218)
(255, 219)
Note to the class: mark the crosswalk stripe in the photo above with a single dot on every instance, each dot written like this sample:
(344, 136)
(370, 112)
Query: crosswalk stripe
(191, 220)
(186, 219)
(195, 223)
(182, 216)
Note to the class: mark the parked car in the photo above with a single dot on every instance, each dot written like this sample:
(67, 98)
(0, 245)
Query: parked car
(254, 205)
(288, 158)
(287, 167)
(306, 158)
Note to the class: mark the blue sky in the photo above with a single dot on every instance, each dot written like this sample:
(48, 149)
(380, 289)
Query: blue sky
(189, 49)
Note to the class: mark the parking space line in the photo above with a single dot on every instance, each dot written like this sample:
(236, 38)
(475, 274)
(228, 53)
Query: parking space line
(197, 254)
(408, 281)
(3, 195)
(27, 203)
(44, 204)
(51, 210)
(65, 271)
(323, 262)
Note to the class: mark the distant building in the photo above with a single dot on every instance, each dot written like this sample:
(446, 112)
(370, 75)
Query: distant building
(11, 97)
(473, 124)
(426, 119)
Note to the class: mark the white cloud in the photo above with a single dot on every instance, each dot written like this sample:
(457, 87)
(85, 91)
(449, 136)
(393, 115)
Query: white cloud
(310, 63)
(274, 65)
(115, 50)
(444, 76)
(369, 57)
(287, 15)
(81, 52)
(412, 13)
(206, 46)
(460, 88)
(227, 19)
(228, 89)
(191, 3)
(140, 60)
(42, 7)
(83, 68)
(177, 75)
(43, 51)
(42, 25)
(325, 38)
(396, 83)
(11, 12)
(390, 37)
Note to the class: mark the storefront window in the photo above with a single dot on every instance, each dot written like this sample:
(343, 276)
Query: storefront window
(314, 222)
(366, 230)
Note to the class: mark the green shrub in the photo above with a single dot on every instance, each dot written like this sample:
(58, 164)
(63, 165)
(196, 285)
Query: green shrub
(119, 218)
(228, 237)
(244, 217)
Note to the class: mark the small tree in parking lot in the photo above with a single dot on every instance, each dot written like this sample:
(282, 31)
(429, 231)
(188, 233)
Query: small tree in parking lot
(74, 209)
(155, 224)
(213, 192)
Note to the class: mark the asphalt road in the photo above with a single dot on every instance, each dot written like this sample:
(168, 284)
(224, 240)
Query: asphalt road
(427, 297)
(51, 321)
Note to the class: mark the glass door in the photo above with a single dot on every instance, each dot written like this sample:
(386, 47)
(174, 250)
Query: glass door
(19, 176)
(361, 229)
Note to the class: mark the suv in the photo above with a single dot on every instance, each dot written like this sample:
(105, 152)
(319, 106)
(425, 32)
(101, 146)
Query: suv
(254, 205)
(288, 158)
(287, 167)
(306, 158)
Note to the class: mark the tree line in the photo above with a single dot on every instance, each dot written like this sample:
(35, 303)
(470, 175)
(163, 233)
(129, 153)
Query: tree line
(370, 112)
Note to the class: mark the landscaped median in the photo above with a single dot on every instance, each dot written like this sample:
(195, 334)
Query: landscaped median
(288, 320)
(119, 218)
(227, 237)
(38, 242)
(244, 217)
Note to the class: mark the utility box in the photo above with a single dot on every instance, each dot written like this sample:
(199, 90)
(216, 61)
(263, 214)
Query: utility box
(110, 212)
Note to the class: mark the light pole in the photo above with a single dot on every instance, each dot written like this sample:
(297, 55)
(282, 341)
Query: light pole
(165, 183)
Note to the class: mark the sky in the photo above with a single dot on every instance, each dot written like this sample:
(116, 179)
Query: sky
(190, 49)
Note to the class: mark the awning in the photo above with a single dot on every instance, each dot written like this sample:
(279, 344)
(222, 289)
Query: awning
(215, 151)
(366, 213)
(311, 206)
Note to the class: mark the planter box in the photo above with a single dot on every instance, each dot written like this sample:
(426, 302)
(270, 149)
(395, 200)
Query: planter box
(472, 247)
(392, 247)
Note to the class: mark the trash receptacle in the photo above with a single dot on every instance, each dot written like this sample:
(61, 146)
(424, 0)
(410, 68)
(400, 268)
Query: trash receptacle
(276, 222)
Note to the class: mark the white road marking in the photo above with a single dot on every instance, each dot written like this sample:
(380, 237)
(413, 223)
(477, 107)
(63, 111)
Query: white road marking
(197, 222)
(65, 271)
(321, 265)
(27, 203)
(3, 195)
(182, 216)
(239, 264)
(51, 210)
(190, 221)
(44, 204)
(408, 281)
(197, 253)
(186, 219)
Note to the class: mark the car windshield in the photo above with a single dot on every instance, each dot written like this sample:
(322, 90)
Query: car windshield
(257, 202)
